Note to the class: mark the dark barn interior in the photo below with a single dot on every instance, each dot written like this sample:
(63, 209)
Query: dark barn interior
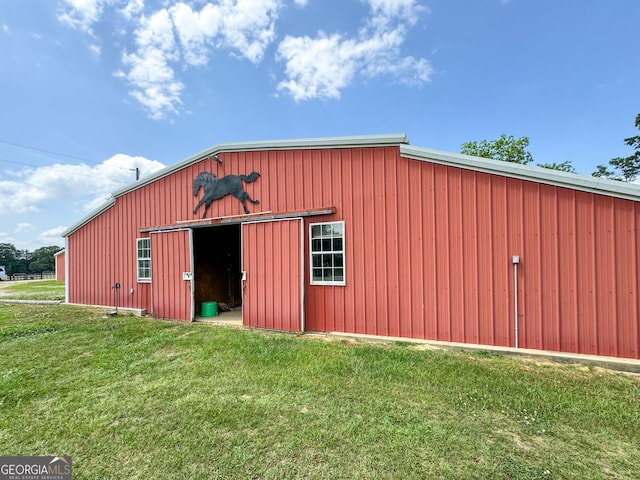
(217, 265)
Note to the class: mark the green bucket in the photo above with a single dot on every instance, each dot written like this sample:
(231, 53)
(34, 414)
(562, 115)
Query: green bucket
(209, 309)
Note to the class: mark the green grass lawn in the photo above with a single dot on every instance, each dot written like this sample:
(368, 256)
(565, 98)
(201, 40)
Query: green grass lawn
(139, 398)
(32, 290)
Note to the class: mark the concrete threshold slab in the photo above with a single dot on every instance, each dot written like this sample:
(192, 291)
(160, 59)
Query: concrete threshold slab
(612, 363)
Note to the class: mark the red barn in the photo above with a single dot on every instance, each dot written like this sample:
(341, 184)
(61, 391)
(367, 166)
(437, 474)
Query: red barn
(60, 263)
(371, 235)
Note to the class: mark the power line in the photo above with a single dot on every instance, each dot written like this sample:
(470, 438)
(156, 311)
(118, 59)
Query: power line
(137, 170)
(59, 169)
(13, 144)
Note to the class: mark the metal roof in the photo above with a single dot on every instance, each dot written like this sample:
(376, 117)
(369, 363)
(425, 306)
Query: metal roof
(536, 174)
(603, 186)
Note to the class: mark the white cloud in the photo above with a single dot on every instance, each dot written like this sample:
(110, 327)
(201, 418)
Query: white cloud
(81, 14)
(95, 49)
(246, 27)
(181, 35)
(34, 189)
(149, 70)
(187, 33)
(317, 68)
(320, 67)
(132, 9)
(23, 227)
(52, 236)
(5, 29)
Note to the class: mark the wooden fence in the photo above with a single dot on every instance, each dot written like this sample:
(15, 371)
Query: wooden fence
(33, 276)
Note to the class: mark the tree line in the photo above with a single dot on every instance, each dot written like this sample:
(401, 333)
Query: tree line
(24, 261)
(511, 149)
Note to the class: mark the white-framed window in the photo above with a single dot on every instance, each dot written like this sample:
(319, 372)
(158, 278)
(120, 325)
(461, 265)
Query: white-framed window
(144, 259)
(327, 253)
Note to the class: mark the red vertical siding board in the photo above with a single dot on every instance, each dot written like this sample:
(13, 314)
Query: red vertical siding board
(605, 275)
(369, 321)
(356, 244)
(529, 327)
(281, 247)
(586, 301)
(456, 276)
(485, 253)
(501, 328)
(413, 293)
(430, 279)
(549, 268)
(404, 303)
(379, 248)
(442, 247)
(469, 257)
(392, 254)
(567, 252)
(626, 292)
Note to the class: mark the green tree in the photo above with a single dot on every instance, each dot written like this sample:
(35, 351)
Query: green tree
(625, 169)
(505, 148)
(563, 167)
(9, 257)
(42, 259)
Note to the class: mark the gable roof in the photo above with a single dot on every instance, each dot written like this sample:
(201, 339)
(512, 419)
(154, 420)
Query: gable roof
(574, 181)
(299, 144)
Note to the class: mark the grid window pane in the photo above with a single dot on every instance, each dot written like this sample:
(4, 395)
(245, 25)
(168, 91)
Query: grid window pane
(327, 253)
(144, 259)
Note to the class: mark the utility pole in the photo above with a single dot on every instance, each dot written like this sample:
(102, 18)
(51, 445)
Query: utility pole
(137, 170)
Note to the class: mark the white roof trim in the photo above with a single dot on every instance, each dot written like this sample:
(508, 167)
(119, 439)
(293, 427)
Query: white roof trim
(603, 186)
(305, 143)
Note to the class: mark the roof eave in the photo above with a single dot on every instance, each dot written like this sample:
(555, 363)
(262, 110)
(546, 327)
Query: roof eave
(547, 176)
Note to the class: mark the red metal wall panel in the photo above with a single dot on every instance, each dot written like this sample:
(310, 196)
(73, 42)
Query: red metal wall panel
(428, 248)
(170, 257)
(272, 291)
(59, 259)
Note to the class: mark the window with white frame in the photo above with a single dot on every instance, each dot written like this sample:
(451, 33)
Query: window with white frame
(144, 259)
(327, 253)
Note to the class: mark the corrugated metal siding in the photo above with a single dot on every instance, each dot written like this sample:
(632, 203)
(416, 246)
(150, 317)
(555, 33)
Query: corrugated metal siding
(428, 248)
(171, 294)
(59, 259)
(429, 255)
(272, 293)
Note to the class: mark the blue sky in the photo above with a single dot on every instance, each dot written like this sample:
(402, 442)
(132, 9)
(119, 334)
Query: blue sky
(90, 89)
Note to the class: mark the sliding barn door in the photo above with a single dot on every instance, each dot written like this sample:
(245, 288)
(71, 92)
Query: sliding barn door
(171, 277)
(273, 289)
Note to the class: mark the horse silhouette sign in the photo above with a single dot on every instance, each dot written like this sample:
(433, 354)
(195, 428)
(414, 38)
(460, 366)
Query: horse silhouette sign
(216, 188)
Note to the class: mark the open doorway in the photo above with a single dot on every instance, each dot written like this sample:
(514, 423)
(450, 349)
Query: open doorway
(217, 276)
